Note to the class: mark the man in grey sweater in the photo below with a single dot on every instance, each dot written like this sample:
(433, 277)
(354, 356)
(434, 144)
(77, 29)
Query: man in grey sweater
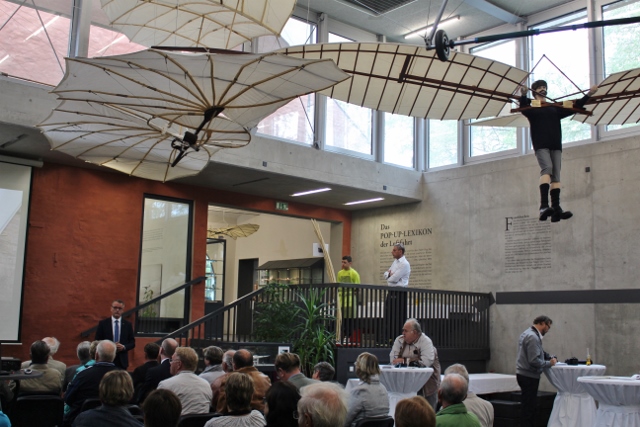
(531, 361)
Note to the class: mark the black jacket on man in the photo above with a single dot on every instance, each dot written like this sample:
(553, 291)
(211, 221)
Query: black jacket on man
(153, 378)
(127, 339)
(85, 386)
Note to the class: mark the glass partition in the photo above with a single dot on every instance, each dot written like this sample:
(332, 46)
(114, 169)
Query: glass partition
(165, 264)
(34, 39)
(572, 66)
(295, 120)
(621, 42)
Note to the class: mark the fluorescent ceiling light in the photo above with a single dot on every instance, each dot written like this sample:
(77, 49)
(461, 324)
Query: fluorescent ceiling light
(4, 59)
(304, 193)
(377, 199)
(422, 32)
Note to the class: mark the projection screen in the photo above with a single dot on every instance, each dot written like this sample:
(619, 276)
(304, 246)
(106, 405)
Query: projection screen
(15, 185)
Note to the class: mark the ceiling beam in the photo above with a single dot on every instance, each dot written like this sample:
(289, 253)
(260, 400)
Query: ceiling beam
(495, 11)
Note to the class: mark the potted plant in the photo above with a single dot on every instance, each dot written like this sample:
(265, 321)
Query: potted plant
(315, 342)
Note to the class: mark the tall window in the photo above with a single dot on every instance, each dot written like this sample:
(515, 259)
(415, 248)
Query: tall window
(348, 126)
(493, 139)
(443, 143)
(570, 53)
(621, 42)
(293, 121)
(398, 140)
(165, 264)
(34, 40)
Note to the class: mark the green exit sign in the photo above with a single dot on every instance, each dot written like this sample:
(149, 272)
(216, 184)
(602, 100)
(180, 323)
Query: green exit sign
(282, 206)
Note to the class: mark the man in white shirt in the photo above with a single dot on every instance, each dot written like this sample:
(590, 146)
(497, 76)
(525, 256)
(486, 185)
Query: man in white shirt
(395, 306)
(400, 270)
(194, 392)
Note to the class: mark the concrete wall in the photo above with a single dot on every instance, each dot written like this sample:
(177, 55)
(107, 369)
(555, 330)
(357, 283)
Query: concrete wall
(483, 235)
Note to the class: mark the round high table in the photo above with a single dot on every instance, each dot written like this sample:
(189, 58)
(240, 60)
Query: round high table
(618, 398)
(573, 406)
(399, 382)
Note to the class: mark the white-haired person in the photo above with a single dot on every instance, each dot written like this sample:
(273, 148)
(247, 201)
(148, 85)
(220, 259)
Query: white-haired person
(323, 404)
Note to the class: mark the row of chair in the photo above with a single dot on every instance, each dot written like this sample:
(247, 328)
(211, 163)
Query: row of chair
(47, 411)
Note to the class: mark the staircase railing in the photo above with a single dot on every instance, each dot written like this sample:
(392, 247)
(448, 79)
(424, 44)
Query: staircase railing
(154, 323)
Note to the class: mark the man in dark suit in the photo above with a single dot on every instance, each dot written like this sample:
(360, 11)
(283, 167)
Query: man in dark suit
(151, 351)
(118, 330)
(86, 384)
(160, 372)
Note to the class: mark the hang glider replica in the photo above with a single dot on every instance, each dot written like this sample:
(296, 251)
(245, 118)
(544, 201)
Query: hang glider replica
(617, 101)
(177, 103)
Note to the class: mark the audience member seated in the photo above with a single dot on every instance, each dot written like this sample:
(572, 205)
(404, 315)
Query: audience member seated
(84, 356)
(452, 393)
(322, 404)
(160, 372)
(476, 405)
(54, 345)
(414, 346)
(243, 362)
(239, 391)
(414, 412)
(151, 352)
(323, 371)
(281, 402)
(162, 408)
(369, 398)
(212, 364)
(227, 367)
(194, 392)
(116, 390)
(86, 384)
(288, 369)
(50, 381)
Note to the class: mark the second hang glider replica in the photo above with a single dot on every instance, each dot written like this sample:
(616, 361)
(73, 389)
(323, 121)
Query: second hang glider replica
(616, 102)
(618, 97)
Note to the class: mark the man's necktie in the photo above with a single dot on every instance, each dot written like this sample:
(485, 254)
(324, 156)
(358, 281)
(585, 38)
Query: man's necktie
(116, 332)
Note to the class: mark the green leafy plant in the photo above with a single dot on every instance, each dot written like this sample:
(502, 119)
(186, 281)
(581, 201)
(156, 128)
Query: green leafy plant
(273, 314)
(315, 343)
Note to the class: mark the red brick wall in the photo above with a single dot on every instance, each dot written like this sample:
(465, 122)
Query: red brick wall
(84, 242)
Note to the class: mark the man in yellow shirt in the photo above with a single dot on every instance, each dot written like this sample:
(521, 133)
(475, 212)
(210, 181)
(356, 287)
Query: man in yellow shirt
(347, 296)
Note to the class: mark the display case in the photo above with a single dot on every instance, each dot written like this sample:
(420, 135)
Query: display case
(292, 272)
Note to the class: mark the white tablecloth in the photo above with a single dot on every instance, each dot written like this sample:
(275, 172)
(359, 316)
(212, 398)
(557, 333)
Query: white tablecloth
(573, 406)
(399, 382)
(619, 400)
(491, 383)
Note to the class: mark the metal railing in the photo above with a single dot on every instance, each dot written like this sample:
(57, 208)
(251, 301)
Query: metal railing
(155, 323)
(372, 316)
